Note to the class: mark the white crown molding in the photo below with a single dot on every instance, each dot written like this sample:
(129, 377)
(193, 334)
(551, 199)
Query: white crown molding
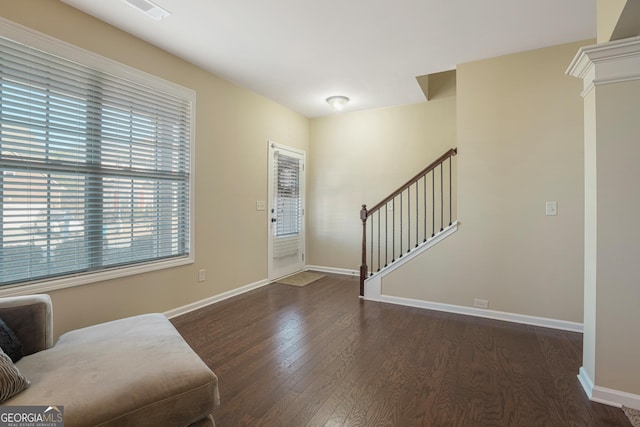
(606, 63)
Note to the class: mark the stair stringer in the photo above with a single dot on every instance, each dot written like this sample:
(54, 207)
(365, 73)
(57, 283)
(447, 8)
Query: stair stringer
(373, 283)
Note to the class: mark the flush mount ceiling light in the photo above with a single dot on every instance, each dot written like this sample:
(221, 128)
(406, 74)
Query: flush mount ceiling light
(149, 8)
(337, 102)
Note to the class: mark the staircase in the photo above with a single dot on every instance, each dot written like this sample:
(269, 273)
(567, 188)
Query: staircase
(410, 220)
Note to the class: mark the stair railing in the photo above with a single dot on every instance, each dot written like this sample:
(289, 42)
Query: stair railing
(412, 214)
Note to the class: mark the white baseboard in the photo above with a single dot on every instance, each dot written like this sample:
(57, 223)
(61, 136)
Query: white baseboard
(479, 312)
(616, 398)
(605, 395)
(373, 292)
(216, 298)
(586, 382)
(332, 270)
(234, 292)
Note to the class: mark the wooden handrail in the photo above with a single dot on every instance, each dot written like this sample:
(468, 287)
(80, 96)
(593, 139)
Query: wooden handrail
(432, 166)
(366, 213)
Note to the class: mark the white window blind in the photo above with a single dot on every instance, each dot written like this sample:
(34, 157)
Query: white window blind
(95, 168)
(288, 205)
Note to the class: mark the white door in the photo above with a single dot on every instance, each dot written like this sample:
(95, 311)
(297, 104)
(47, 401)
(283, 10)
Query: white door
(286, 210)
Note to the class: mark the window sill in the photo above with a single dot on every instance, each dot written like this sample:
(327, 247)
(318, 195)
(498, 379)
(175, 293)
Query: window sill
(84, 279)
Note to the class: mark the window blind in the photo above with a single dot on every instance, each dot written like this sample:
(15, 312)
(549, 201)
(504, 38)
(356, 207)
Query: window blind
(288, 205)
(95, 168)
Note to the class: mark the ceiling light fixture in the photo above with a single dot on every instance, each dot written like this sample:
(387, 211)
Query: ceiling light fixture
(337, 102)
(149, 8)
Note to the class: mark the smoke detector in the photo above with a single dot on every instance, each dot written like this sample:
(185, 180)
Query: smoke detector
(149, 8)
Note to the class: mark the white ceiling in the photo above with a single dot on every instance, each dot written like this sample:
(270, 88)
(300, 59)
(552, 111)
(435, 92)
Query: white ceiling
(299, 52)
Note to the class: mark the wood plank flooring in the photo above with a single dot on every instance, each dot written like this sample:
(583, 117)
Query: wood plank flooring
(319, 356)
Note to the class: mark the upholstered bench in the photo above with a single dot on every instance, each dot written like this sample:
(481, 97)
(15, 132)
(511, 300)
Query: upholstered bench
(136, 371)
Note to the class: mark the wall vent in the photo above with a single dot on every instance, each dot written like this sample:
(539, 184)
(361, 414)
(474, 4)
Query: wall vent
(149, 8)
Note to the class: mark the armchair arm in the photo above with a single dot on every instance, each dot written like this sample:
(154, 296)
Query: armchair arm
(30, 317)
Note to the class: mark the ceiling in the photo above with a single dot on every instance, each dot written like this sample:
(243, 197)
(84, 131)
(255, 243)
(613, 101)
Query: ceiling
(299, 52)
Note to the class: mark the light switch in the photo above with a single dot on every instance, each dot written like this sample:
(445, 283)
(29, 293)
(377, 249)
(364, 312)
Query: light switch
(552, 208)
(260, 206)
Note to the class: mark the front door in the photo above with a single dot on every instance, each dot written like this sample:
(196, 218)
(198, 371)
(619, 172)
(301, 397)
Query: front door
(286, 210)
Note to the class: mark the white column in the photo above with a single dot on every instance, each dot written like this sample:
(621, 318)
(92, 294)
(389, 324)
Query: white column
(611, 348)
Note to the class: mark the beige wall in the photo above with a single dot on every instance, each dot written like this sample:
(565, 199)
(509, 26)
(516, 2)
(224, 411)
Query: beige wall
(519, 118)
(359, 158)
(233, 126)
(520, 143)
(618, 19)
(609, 12)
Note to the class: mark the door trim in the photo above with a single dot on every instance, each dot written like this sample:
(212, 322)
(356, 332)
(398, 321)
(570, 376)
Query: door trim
(272, 146)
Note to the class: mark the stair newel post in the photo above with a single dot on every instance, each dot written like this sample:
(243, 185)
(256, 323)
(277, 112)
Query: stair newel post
(363, 266)
(450, 200)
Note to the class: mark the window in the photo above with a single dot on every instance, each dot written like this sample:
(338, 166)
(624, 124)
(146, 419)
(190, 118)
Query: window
(286, 238)
(288, 207)
(95, 163)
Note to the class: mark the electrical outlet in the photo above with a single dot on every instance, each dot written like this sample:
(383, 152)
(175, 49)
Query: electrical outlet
(551, 208)
(202, 275)
(260, 205)
(481, 303)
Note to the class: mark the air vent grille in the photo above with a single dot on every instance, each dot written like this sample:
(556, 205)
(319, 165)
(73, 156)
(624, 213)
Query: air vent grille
(149, 8)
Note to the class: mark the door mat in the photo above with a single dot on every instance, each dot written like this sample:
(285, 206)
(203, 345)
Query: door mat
(633, 415)
(300, 279)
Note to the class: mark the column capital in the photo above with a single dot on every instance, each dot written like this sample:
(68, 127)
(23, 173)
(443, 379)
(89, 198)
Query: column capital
(606, 63)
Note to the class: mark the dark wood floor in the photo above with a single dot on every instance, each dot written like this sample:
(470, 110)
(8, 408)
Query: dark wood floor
(318, 355)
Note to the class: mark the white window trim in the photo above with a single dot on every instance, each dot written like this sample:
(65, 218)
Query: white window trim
(30, 37)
